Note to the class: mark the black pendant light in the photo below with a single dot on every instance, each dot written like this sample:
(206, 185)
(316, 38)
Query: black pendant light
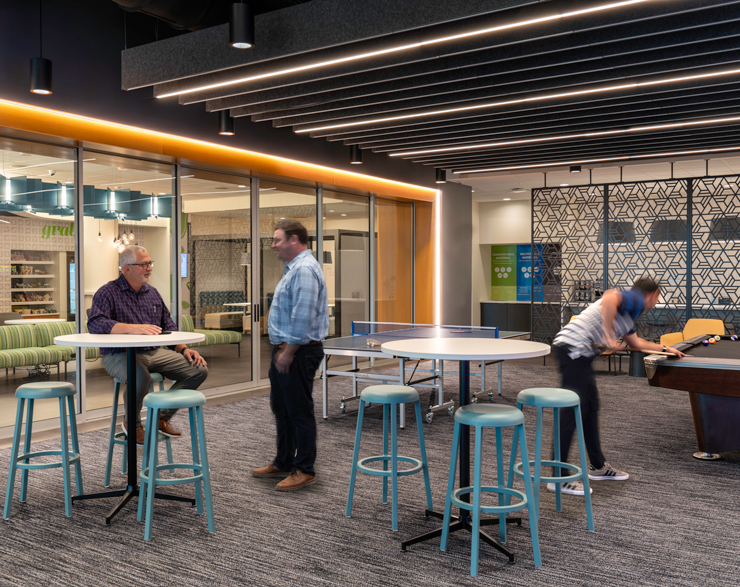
(241, 26)
(441, 175)
(40, 68)
(225, 123)
(575, 168)
(355, 155)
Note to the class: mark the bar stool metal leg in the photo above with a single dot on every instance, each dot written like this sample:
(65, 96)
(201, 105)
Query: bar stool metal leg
(26, 449)
(14, 458)
(152, 422)
(394, 468)
(450, 487)
(205, 468)
(196, 459)
(425, 468)
(584, 468)
(556, 456)
(355, 457)
(531, 509)
(65, 459)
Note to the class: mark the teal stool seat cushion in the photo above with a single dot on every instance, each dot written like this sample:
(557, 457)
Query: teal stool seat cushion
(389, 394)
(548, 397)
(173, 399)
(45, 390)
(494, 415)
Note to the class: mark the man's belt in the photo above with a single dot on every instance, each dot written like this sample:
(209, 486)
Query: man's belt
(284, 344)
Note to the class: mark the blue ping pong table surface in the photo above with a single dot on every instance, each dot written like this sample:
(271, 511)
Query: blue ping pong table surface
(359, 342)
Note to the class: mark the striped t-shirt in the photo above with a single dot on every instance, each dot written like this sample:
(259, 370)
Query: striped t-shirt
(587, 329)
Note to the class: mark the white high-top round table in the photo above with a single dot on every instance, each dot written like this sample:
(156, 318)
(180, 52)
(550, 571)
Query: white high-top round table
(34, 320)
(130, 342)
(465, 350)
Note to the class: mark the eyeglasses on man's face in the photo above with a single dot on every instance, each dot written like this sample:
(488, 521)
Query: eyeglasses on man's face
(143, 265)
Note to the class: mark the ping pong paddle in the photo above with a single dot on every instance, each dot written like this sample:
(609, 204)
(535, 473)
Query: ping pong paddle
(372, 342)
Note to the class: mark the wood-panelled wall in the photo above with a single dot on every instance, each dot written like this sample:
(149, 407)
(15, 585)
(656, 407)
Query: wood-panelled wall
(394, 231)
(424, 263)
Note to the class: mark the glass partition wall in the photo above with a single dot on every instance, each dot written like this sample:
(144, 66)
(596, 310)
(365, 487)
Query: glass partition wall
(203, 250)
(37, 235)
(126, 202)
(216, 271)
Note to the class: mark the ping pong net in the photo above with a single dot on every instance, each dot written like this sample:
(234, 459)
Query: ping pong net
(399, 330)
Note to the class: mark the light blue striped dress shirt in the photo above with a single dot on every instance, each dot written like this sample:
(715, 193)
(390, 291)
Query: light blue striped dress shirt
(299, 312)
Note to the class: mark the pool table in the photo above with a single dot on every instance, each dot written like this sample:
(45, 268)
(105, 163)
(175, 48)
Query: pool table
(712, 378)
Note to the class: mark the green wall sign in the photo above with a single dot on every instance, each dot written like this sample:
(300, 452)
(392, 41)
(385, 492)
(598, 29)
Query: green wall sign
(49, 230)
(503, 272)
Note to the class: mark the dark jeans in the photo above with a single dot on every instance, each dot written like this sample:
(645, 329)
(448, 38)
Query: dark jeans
(291, 400)
(578, 375)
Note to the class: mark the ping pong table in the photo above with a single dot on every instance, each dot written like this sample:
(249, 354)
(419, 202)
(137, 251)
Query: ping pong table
(365, 342)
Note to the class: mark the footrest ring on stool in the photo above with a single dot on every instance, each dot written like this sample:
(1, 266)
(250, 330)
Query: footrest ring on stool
(561, 479)
(492, 509)
(387, 458)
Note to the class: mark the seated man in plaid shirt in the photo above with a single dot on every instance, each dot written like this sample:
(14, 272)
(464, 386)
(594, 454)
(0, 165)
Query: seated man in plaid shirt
(129, 305)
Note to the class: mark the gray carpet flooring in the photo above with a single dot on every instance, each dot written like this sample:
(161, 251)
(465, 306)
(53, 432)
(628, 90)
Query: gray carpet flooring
(674, 522)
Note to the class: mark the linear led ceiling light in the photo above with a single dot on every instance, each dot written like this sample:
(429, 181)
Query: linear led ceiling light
(626, 86)
(627, 158)
(565, 137)
(399, 48)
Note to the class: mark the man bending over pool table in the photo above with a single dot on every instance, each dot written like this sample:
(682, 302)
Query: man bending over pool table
(597, 328)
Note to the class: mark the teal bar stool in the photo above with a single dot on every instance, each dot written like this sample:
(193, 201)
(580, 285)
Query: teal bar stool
(389, 396)
(32, 392)
(120, 437)
(489, 416)
(150, 480)
(549, 397)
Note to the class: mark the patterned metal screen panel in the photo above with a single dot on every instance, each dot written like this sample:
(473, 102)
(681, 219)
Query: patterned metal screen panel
(656, 212)
(715, 276)
(568, 246)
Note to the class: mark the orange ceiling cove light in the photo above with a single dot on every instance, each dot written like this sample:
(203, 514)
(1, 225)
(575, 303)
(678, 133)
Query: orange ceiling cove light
(84, 129)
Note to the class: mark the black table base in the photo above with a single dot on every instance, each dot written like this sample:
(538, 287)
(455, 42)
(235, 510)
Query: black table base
(127, 495)
(132, 489)
(462, 521)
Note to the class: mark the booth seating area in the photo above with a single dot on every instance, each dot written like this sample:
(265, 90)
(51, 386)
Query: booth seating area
(215, 315)
(213, 336)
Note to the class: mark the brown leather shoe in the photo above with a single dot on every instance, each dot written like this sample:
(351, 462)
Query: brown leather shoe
(139, 434)
(167, 430)
(296, 480)
(269, 471)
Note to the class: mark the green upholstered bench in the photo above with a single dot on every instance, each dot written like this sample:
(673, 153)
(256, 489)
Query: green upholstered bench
(212, 336)
(21, 346)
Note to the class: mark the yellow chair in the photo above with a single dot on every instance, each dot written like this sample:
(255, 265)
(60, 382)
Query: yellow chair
(671, 338)
(698, 326)
(694, 327)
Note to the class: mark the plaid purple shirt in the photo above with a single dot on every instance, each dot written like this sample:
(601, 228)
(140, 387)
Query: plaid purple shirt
(117, 302)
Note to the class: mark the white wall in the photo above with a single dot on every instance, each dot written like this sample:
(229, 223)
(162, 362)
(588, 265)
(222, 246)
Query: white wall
(495, 223)
(503, 223)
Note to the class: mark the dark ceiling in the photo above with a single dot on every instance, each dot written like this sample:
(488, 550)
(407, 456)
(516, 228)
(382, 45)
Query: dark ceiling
(536, 89)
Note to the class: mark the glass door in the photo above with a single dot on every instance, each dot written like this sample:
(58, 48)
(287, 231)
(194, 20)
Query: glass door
(277, 202)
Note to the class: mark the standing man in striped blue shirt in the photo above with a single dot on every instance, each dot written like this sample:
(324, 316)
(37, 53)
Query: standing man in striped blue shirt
(298, 322)
(597, 328)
